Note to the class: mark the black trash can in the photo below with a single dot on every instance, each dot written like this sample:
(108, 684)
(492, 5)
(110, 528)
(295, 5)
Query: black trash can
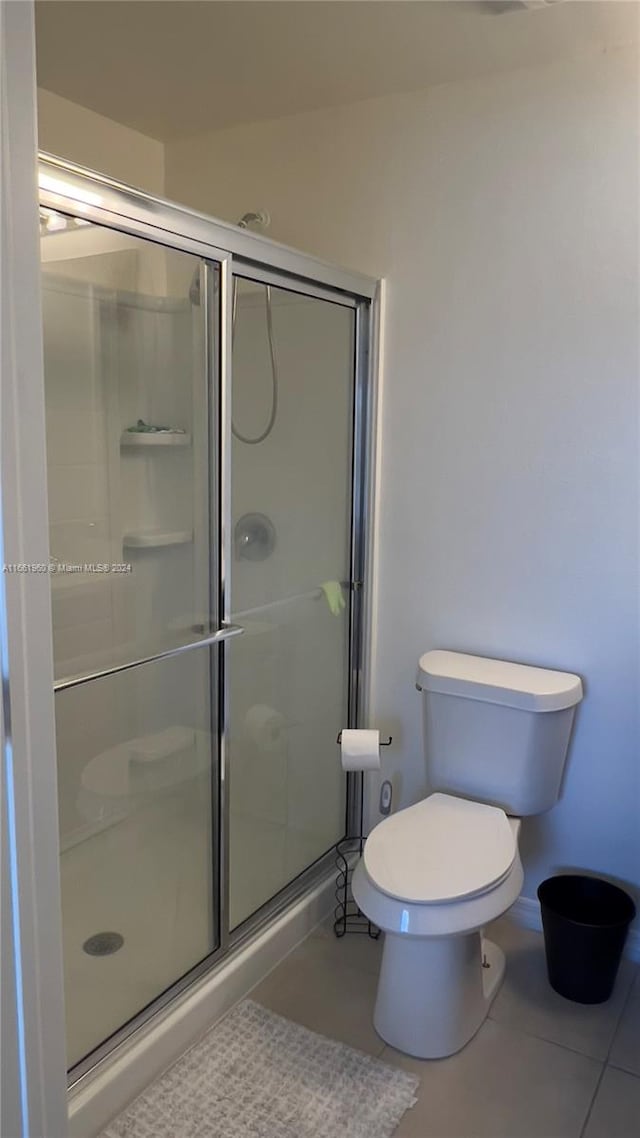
(585, 922)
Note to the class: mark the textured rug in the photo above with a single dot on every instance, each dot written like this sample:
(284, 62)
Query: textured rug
(257, 1075)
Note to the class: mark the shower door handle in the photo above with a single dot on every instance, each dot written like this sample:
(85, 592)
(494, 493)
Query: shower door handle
(225, 632)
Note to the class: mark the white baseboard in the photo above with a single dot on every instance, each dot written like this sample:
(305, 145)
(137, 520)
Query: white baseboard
(103, 1094)
(526, 914)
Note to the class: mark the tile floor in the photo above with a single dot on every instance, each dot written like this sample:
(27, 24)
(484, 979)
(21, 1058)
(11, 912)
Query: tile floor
(540, 1066)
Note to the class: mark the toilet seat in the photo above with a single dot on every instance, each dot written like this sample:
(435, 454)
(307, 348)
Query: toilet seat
(443, 849)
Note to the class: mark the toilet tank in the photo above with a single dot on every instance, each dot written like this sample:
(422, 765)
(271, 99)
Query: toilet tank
(495, 731)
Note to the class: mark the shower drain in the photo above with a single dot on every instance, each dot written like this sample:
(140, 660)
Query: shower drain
(103, 944)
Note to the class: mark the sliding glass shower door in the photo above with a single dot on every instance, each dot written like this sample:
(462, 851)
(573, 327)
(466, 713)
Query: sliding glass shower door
(205, 421)
(288, 676)
(132, 488)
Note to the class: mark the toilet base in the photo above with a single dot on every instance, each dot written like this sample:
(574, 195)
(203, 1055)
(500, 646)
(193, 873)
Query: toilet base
(435, 992)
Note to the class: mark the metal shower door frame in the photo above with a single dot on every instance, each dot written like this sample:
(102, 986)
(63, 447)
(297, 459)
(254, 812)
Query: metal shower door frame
(71, 190)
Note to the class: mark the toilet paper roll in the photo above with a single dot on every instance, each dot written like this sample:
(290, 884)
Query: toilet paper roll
(360, 750)
(265, 726)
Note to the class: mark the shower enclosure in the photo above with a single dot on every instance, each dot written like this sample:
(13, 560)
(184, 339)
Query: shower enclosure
(208, 400)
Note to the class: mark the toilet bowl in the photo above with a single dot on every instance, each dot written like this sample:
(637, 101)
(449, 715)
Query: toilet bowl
(432, 876)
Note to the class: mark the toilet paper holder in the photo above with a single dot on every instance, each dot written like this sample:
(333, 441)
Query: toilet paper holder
(382, 742)
(347, 917)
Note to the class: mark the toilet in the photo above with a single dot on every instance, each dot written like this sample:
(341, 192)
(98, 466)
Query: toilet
(433, 875)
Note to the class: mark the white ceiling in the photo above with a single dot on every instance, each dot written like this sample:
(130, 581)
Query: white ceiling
(178, 67)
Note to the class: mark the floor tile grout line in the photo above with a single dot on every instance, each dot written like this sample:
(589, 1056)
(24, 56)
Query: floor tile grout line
(625, 1004)
(528, 1035)
(625, 1070)
(576, 1051)
(593, 1100)
(545, 1039)
(606, 1064)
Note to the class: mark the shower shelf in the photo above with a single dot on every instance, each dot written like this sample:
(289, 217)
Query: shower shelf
(156, 539)
(134, 440)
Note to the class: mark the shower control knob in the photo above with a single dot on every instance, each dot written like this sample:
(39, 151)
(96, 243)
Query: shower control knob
(254, 537)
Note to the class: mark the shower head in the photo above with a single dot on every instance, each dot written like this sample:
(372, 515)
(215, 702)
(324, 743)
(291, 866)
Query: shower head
(260, 218)
(500, 7)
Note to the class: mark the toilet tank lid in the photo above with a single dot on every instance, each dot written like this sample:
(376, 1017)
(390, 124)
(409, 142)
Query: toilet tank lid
(498, 681)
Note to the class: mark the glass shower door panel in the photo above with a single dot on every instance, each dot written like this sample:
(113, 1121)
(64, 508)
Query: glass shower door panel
(129, 469)
(127, 446)
(288, 679)
(138, 883)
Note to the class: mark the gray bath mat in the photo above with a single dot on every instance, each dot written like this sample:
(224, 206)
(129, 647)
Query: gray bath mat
(257, 1075)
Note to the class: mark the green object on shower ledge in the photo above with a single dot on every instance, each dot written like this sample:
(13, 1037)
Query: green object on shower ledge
(334, 597)
(142, 428)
